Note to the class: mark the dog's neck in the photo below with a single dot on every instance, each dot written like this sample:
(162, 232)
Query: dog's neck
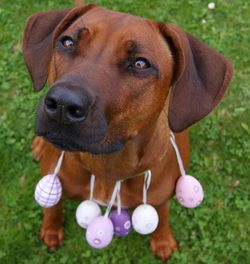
(138, 154)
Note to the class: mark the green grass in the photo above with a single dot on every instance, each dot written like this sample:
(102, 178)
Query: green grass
(216, 232)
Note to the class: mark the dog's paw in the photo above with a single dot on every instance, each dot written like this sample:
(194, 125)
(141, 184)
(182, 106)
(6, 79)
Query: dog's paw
(37, 147)
(163, 246)
(52, 237)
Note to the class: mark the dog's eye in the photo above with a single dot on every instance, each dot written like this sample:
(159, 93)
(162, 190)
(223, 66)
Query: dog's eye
(140, 64)
(68, 43)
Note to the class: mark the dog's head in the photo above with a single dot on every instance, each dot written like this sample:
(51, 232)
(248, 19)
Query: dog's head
(110, 75)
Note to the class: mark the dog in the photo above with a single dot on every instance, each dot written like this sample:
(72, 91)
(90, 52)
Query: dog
(118, 85)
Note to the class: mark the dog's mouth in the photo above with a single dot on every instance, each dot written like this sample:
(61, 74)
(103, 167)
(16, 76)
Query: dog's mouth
(63, 144)
(103, 146)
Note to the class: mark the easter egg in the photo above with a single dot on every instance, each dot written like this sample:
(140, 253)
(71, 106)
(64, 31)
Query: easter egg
(121, 222)
(145, 219)
(100, 232)
(86, 212)
(48, 191)
(189, 191)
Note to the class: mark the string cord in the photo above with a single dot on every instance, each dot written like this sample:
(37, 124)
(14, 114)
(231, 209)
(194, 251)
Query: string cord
(112, 200)
(92, 185)
(59, 164)
(147, 181)
(119, 200)
(56, 170)
(180, 163)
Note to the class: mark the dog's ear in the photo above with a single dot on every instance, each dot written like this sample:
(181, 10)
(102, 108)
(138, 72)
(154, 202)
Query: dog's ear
(38, 40)
(201, 77)
(37, 44)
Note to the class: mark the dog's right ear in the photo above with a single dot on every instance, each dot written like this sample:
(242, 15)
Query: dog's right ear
(38, 40)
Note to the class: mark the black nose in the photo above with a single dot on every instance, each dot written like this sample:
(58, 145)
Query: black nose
(66, 105)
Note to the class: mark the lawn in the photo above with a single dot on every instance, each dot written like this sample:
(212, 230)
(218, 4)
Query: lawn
(216, 232)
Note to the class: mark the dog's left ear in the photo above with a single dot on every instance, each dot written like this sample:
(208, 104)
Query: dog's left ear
(201, 77)
(38, 39)
(37, 45)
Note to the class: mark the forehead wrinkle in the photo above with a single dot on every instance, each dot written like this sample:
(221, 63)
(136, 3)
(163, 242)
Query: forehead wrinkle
(81, 31)
(131, 47)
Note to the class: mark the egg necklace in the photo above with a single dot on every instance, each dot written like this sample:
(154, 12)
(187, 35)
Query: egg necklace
(101, 228)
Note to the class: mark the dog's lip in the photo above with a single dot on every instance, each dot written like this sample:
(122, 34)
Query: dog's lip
(62, 143)
(61, 139)
(93, 147)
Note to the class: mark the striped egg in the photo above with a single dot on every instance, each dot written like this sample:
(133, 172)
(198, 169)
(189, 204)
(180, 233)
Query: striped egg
(48, 191)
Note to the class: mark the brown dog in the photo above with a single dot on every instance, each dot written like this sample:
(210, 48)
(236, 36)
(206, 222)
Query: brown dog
(119, 83)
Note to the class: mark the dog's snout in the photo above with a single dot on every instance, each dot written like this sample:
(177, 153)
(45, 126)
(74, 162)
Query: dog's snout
(66, 105)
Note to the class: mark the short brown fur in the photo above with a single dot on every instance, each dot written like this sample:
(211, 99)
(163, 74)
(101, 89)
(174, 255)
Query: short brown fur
(138, 110)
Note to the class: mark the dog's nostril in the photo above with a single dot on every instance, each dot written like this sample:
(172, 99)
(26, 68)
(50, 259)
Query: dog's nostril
(51, 104)
(76, 112)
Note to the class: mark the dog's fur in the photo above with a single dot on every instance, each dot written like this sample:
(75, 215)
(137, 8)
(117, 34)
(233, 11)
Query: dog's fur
(127, 130)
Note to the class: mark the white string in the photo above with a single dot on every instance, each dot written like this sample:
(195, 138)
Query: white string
(112, 200)
(92, 185)
(119, 200)
(147, 181)
(180, 163)
(59, 163)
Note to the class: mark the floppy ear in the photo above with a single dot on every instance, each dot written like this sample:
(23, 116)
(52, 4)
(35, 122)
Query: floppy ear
(38, 40)
(201, 77)
(37, 44)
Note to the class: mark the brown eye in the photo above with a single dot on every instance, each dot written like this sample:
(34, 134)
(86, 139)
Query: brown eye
(140, 64)
(68, 43)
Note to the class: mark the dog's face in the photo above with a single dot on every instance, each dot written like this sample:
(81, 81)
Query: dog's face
(107, 80)
(110, 74)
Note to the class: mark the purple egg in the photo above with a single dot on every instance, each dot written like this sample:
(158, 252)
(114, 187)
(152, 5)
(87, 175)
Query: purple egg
(100, 232)
(121, 222)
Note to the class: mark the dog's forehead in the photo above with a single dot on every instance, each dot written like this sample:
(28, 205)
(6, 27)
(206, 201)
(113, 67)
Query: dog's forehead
(115, 24)
(117, 35)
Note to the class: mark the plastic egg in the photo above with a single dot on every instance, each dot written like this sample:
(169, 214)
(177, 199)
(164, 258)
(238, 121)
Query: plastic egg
(121, 222)
(145, 219)
(48, 191)
(189, 191)
(86, 212)
(100, 232)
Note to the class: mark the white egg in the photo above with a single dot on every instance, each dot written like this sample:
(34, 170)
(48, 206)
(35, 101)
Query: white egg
(145, 219)
(86, 212)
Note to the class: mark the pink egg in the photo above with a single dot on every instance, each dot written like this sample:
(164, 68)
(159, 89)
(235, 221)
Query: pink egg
(48, 191)
(189, 191)
(100, 232)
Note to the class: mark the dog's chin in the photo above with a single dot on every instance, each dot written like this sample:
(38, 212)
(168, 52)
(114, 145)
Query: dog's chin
(102, 147)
